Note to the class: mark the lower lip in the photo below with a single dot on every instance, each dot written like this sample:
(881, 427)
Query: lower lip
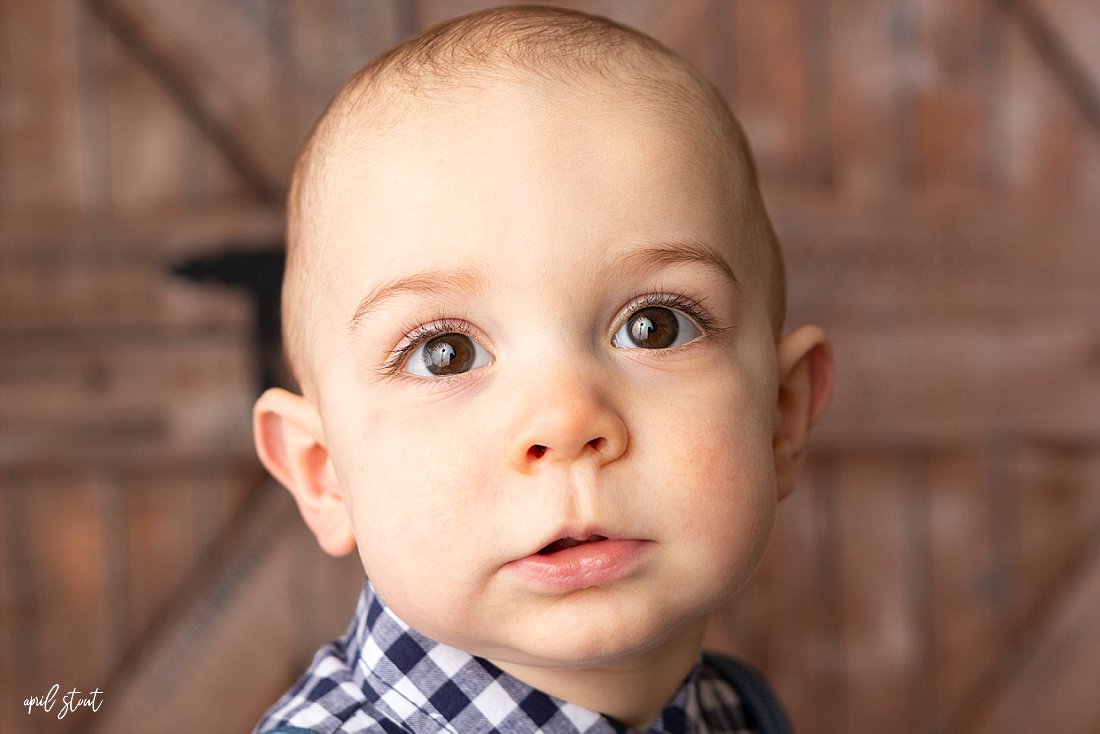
(582, 566)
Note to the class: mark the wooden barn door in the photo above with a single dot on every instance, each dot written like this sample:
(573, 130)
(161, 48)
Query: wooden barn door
(932, 168)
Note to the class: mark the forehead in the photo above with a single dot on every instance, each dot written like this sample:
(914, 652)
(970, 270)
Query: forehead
(499, 162)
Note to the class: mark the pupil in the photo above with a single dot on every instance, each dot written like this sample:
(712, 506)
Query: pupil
(654, 328)
(449, 354)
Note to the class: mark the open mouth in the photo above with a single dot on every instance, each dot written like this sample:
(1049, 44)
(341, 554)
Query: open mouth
(570, 563)
(562, 543)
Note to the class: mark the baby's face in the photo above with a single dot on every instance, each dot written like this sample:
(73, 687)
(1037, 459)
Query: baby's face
(541, 320)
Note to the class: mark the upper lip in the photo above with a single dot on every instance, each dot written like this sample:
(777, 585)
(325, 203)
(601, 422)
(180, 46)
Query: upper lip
(580, 533)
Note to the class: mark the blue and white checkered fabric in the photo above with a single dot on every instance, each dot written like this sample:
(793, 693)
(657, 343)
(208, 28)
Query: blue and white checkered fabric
(385, 677)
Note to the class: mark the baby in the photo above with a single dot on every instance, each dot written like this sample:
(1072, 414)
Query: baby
(535, 308)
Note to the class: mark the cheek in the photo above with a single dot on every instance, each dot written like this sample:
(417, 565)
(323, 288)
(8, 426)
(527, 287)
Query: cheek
(732, 472)
(407, 480)
(728, 504)
(725, 430)
(418, 492)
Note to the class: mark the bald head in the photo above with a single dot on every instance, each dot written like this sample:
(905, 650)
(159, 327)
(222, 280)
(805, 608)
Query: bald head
(569, 51)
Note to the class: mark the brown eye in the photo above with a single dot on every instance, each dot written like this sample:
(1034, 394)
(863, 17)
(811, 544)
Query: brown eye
(655, 327)
(447, 354)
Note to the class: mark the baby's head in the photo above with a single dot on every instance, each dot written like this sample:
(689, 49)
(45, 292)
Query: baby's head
(533, 299)
(533, 61)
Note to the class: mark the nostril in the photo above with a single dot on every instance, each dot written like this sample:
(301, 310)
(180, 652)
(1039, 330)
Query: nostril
(598, 443)
(536, 451)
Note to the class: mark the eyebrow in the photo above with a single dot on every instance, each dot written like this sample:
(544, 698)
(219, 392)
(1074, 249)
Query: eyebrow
(683, 252)
(466, 280)
(425, 283)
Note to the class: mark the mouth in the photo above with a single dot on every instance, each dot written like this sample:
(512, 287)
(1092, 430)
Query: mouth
(563, 543)
(578, 560)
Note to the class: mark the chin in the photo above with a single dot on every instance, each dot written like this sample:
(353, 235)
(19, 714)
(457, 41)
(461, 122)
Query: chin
(596, 641)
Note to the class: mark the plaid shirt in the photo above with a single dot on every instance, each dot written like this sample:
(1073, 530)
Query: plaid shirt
(385, 677)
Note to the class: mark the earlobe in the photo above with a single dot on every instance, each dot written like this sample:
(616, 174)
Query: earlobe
(290, 443)
(805, 386)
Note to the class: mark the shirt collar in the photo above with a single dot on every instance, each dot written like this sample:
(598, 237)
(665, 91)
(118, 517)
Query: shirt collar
(422, 685)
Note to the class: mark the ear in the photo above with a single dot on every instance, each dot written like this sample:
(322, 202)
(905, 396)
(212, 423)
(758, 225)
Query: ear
(805, 385)
(290, 443)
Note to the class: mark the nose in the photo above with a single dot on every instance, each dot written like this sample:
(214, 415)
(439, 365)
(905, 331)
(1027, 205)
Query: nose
(566, 418)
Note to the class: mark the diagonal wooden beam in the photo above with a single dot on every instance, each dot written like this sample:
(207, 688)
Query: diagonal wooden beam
(1059, 57)
(1040, 681)
(169, 650)
(223, 75)
(236, 633)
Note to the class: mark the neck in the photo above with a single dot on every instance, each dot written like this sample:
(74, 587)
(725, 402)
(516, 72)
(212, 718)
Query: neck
(632, 691)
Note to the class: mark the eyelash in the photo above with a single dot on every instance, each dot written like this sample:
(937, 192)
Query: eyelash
(671, 299)
(417, 336)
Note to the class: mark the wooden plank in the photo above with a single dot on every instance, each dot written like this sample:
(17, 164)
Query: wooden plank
(801, 650)
(90, 290)
(210, 180)
(70, 623)
(1047, 135)
(1074, 21)
(170, 522)
(943, 253)
(882, 547)
(1086, 177)
(328, 42)
(93, 53)
(791, 619)
(175, 399)
(685, 27)
(263, 605)
(819, 157)
(1044, 519)
(971, 577)
(147, 136)
(960, 45)
(432, 12)
(1058, 506)
(323, 594)
(770, 82)
(867, 150)
(164, 235)
(670, 23)
(951, 385)
(1063, 33)
(93, 272)
(40, 130)
(1051, 684)
(13, 597)
(221, 69)
(242, 616)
